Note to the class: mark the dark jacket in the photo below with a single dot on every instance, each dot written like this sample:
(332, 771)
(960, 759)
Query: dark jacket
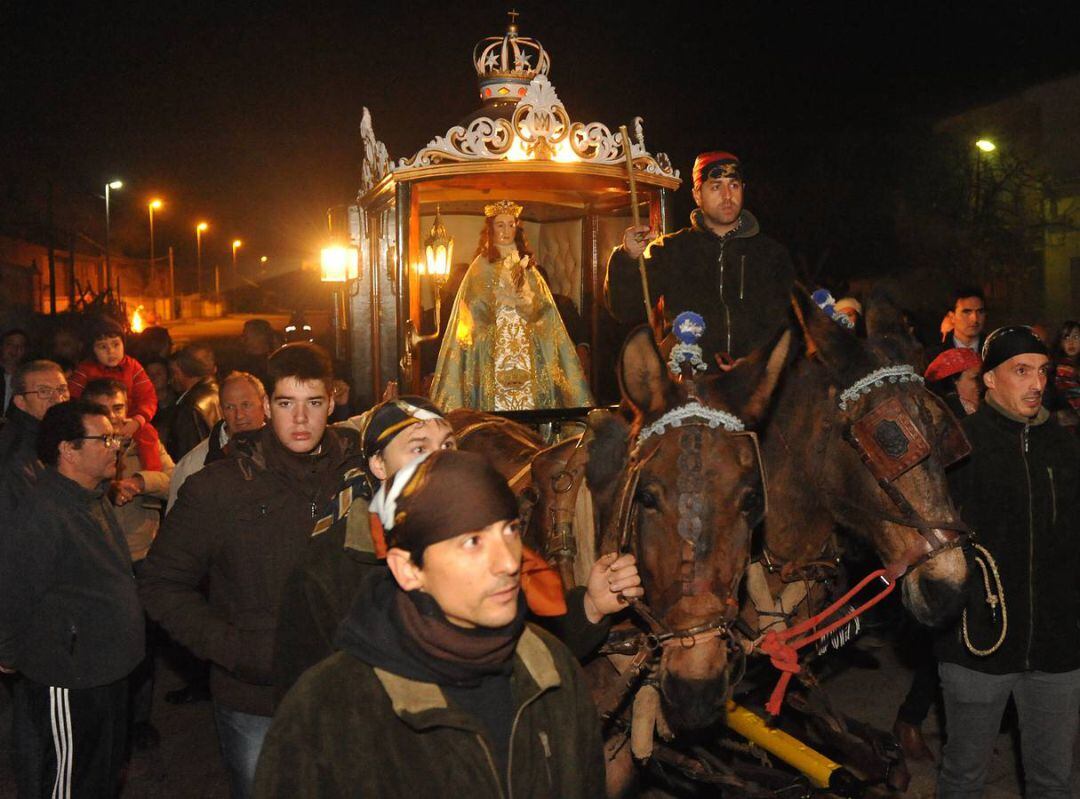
(19, 464)
(194, 414)
(69, 612)
(1020, 492)
(739, 283)
(244, 523)
(348, 729)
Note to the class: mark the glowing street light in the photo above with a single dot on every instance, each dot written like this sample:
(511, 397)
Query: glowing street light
(200, 228)
(153, 205)
(236, 245)
(111, 186)
(986, 145)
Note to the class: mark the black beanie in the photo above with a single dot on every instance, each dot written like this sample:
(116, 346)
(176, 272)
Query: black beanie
(1008, 342)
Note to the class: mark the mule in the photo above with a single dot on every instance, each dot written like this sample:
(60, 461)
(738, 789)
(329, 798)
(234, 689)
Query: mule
(679, 482)
(869, 455)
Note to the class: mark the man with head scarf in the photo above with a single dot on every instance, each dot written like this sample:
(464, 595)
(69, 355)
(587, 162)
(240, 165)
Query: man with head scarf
(441, 686)
(721, 267)
(1020, 492)
(348, 544)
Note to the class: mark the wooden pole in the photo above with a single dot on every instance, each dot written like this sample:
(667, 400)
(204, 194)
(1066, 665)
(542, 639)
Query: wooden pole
(637, 222)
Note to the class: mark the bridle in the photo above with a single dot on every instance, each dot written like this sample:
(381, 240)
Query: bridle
(889, 443)
(624, 526)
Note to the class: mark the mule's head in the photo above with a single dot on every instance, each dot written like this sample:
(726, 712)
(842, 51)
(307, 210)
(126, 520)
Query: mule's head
(692, 486)
(882, 453)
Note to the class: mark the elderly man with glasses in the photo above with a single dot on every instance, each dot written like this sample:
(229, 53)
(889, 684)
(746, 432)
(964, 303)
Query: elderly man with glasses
(70, 620)
(37, 386)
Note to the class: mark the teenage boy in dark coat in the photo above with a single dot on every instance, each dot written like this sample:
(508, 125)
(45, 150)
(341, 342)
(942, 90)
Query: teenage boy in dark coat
(1020, 492)
(70, 619)
(441, 689)
(243, 523)
(721, 267)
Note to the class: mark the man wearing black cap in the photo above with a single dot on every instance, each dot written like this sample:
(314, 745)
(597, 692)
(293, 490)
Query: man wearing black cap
(1020, 493)
(441, 688)
(348, 544)
(720, 267)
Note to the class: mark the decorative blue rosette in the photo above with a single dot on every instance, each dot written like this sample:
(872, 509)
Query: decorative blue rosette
(825, 302)
(688, 328)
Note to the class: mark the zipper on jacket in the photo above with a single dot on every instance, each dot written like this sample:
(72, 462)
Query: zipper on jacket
(71, 643)
(742, 275)
(1031, 550)
(723, 299)
(491, 764)
(1053, 496)
(513, 730)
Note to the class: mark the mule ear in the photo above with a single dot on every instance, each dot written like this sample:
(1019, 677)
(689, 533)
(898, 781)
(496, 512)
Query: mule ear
(609, 439)
(756, 377)
(885, 320)
(643, 375)
(838, 348)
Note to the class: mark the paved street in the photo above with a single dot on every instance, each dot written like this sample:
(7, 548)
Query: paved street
(187, 764)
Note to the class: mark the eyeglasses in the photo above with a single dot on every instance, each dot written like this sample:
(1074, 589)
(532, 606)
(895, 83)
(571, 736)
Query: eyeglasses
(1074, 336)
(110, 440)
(48, 394)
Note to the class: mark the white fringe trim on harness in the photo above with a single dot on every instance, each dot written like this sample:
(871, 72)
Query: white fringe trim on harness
(900, 373)
(693, 412)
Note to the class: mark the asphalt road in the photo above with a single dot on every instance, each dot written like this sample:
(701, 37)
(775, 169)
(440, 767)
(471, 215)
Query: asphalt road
(187, 764)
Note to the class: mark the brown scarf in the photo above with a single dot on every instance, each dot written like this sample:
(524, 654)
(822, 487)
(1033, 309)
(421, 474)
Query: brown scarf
(458, 655)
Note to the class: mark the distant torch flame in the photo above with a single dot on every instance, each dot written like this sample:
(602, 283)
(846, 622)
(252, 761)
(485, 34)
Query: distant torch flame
(137, 323)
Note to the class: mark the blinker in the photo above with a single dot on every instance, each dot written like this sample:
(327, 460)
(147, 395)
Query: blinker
(888, 440)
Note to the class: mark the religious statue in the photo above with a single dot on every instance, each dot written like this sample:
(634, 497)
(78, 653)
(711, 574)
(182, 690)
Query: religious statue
(506, 348)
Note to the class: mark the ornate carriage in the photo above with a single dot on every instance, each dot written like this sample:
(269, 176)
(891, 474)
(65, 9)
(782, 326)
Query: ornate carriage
(522, 144)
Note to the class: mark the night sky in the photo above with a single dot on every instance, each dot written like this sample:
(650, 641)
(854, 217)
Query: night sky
(248, 115)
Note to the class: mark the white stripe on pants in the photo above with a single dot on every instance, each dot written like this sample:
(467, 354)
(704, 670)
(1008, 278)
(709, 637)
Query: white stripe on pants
(60, 712)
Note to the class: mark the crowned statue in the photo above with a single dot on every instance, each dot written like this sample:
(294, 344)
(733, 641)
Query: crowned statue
(506, 348)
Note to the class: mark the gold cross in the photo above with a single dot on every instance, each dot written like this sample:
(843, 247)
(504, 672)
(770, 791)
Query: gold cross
(513, 16)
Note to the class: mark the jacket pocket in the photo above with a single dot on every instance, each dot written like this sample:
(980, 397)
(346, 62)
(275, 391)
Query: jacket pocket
(256, 637)
(545, 744)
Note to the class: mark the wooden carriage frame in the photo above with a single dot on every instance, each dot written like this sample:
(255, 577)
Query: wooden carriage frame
(569, 176)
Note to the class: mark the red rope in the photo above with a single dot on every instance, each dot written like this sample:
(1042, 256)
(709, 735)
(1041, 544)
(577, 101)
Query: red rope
(783, 651)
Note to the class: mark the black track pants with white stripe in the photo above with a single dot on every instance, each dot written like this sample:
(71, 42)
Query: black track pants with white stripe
(70, 743)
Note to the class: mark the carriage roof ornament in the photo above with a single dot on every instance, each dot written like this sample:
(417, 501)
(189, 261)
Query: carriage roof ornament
(897, 373)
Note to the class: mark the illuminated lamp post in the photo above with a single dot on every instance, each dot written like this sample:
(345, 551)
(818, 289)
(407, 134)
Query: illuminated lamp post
(153, 205)
(111, 186)
(199, 230)
(984, 148)
(340, 265)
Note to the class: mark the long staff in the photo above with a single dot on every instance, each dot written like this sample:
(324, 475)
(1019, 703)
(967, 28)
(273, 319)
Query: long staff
(637, 222)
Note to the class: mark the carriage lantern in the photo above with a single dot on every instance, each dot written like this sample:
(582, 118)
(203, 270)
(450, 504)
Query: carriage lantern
(438, 258)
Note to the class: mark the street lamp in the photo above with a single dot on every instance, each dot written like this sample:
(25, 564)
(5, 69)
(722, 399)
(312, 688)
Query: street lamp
(153, 205)
(984, 147)
(199, 230)
(236, 245)
(112, 185)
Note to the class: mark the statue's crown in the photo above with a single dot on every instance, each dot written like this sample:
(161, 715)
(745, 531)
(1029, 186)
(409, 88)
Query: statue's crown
(506, 64)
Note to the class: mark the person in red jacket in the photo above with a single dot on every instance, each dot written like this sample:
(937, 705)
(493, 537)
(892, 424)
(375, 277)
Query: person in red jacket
(109, 361)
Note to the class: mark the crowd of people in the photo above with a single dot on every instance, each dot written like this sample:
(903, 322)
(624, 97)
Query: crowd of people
(355, 594)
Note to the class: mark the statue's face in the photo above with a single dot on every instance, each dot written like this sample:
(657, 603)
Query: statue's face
(505, 226)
